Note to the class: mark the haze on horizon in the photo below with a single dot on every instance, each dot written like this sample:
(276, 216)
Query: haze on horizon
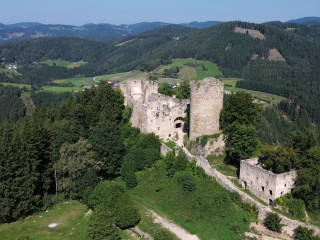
(79, 12)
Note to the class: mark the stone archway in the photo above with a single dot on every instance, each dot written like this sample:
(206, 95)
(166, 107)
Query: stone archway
(178, 127)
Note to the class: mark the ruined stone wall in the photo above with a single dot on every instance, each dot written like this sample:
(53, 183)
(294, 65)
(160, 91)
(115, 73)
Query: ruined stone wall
(137, 90)
(154, 112)
(205, 107)
(214, 146)
(263, 183)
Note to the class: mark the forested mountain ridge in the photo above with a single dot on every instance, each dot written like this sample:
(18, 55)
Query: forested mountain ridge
(282, 61)
(102, 32)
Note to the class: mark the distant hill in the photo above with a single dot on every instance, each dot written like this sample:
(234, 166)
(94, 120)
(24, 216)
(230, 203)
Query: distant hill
(306, 20)
(201, 24)
(99, 32)
(274, 57)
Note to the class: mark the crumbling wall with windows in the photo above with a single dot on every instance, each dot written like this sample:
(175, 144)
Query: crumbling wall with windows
(263, 183)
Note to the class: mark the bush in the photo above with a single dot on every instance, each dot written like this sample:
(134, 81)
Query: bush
(51, 200)
(182, 161)
(126, 214)
(303, 233)
(114, 197)
(293, 205)
(131, 180)
(272, 222)
(84, 186)
(101, 225)
(187, 181)
(163, 234)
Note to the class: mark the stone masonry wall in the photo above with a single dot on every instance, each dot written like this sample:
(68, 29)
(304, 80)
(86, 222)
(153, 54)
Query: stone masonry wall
(154, 112)
(263, 183)
(205, 107)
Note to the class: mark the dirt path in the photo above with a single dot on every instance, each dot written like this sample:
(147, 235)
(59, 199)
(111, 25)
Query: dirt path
(268, 233)
(172, 227)
(289, 225)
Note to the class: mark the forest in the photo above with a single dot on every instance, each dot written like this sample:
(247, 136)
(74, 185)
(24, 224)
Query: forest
(297, 78)
(91, 130)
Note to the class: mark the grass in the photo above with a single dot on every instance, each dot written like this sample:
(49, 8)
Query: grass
(146, 223)
(230, 85)
(77, 81)
(190, 72)
(55, 89)
(70, 219)
(9, 72)
(218, 162)
(211, 72)
(208, 211)
(121, 76)
(62, 63)
(238, 185)
(171, 144)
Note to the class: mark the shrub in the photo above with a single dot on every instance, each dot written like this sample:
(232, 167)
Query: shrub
(187, 182)
(293, 205)
(272, 222)
(101, 225)
(131, 180)
(163, 234)
(126, 214)
(303, 233)
(114, 197)
(51, 200)
(182, 161)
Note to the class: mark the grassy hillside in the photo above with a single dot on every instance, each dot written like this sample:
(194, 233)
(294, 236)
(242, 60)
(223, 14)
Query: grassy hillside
(70, 219)
(210, 211)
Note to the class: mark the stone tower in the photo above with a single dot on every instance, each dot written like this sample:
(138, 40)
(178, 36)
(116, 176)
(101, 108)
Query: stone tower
(205, 107)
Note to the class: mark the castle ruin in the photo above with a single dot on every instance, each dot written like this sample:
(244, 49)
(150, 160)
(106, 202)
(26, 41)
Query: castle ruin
(206, 105)
(164, 115)
(263, 183)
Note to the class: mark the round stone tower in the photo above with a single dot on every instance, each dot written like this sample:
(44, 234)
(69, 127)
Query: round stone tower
(205, 107)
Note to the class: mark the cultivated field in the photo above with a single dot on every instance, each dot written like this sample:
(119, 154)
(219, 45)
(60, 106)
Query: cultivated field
(189, 72)
(230, 86)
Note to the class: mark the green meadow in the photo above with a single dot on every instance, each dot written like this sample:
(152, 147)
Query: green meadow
(210, 211)
(62, 63)
(70, 219)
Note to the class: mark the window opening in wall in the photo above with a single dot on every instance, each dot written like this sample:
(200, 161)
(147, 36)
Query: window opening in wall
(178, 125)
(270, 192)
(245, 184)
(262, 188)
(270, 202)
(169, 135)
(281, 192)
(285, 185)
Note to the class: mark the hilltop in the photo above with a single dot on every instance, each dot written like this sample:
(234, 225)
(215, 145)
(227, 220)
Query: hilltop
(274, 57)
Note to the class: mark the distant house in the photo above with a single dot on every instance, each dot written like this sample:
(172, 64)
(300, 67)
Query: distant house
(12, 66)
(86, 88)
(116, 85)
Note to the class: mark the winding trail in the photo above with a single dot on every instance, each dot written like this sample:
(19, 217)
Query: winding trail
(289, 224)
(172, 227)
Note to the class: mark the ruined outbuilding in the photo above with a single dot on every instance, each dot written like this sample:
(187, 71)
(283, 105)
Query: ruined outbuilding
(263, 183)
(164, 115)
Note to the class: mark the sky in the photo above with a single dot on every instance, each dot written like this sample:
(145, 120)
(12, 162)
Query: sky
(79, 12)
